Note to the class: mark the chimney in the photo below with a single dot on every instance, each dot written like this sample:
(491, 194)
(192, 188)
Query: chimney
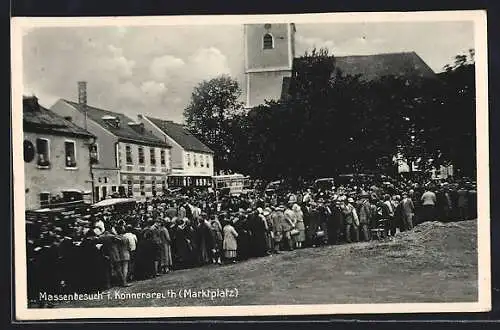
(82, 99)
(82, 93)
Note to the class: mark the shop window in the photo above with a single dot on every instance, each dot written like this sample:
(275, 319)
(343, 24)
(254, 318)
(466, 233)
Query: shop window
(44, 199)
(142, 188)
(153, 187)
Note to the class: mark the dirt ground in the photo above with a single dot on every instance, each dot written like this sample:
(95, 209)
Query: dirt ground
(436, 262)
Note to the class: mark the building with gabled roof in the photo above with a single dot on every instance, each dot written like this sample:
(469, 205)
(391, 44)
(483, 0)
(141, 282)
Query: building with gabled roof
(131, 161)
(57, 158)
(270, 63)
(192, 161)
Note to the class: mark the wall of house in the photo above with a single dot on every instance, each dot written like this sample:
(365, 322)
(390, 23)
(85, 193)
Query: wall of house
(56, 177)
(192, 169)
(142, 179)
(106, 141)
(176, 156)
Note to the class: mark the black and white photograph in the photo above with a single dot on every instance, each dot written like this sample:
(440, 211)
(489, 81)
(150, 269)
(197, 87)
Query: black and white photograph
(250, 165)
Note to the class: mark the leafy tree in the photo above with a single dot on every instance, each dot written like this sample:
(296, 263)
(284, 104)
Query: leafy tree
(209, 116)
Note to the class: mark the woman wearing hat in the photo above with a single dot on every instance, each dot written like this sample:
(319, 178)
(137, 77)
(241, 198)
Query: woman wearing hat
(269, 229)
(300, 238)
(218, 240)
(230, 244)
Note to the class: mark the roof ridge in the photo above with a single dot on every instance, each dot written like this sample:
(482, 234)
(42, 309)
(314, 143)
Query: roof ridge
(379, 54)
(162, 120)
(98, 109)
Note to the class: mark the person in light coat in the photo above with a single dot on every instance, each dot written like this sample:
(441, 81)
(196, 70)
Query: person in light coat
(230, 244)
(300, 238)
(408, 210)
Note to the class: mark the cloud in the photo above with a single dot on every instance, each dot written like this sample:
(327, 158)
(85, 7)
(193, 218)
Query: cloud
(208, 63)
(162, 66)
(308, 43)
(154, 92)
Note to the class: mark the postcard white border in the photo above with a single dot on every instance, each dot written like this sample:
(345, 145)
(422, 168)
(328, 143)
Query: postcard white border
(478, 17)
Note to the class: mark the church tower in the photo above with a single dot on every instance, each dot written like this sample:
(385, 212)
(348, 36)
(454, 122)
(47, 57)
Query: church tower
(269, 54)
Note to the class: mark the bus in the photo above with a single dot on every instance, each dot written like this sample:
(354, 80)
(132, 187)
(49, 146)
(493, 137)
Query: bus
(230, 184)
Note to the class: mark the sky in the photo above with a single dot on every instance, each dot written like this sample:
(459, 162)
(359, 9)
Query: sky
(152, 70)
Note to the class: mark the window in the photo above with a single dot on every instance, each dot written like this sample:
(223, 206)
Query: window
(94, 153)
(129, 188)
(162, 157)
(42, 150)
(44, 199)
(195, 160)
(142, 188)
(202, 160)
(267, 41)
(141, 155)
(153, 187)
(128, 154)
(152, 156)
(163, 185)
(188, 159)
(208, 162)
(113, 188)
(70, 153)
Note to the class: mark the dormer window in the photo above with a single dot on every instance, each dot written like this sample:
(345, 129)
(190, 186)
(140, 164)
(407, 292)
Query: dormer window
(267, 41)
(138, 127)
(112, 121)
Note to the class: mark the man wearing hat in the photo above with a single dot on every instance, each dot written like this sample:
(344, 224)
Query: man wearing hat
(291, 220)
(365, 215)
(278, 221)
(351, 220)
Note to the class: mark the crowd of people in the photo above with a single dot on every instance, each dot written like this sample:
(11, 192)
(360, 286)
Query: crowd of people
(100, 248)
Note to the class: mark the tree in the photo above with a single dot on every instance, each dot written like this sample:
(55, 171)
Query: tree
(210, 114)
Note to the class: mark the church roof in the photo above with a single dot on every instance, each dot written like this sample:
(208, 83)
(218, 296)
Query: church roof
(406, 65)
(374, 67)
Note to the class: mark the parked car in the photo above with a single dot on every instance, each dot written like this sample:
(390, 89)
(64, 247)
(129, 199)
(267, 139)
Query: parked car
(323, 184)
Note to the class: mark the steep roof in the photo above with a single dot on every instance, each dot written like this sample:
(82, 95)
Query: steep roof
(41, 120)
(123, 131)
(372, 67)
(180, 135)
(406, 65)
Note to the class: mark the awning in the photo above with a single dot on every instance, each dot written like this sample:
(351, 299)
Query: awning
(114, 201)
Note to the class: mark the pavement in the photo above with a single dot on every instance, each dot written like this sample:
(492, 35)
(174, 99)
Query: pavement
(435, 262)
